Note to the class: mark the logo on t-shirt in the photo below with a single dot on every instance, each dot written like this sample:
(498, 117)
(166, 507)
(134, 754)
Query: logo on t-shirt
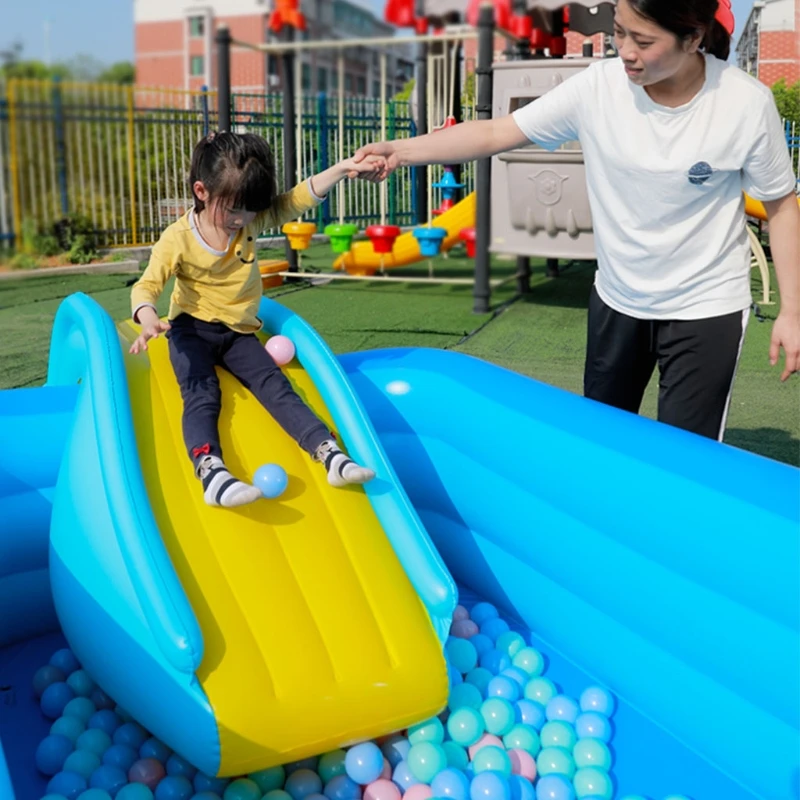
(700, 173)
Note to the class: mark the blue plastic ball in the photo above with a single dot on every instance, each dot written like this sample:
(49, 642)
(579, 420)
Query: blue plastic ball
(65, 660)
(481, 643)
(207, 784)
(304, 763)
(457, 756)
(521, 788)
(451, 783)
(593, 726)
(530, 660)
(124, 715)
(155, 748)
(554, 787)
(271, 479)
(342, 787)
(94, 740)
(180, 766)
(540, 690)
(51, 754)
(71, 727)
(494, 627)
(174, 787)
(510, 643)
(55, 698)
(68, 784)
(120, 756)
(242, 789)
(267, 779)
(595, 698)
(489, 786)
(101, 700)
(134, 791)
(529, 712)
(454, 677)
(481, 612)
(94, 794)
(80, 683)
(109, 778)
(495, 661)
(461, 653)
(506, 688)
(204, 796)
(54, 797)
(395, 749)
(104, 720)
(429, 730)
(465, 695)
(277, 794)
(364, 762)
(82, 762)
(479, 677)
(403, 777)
(131, 734)
(563, 709)
(81, 708)
(303, 782)
(517, 675)
(45, 676)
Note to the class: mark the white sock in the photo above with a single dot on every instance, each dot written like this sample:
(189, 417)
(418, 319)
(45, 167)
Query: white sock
(341, 469)
(220, 488)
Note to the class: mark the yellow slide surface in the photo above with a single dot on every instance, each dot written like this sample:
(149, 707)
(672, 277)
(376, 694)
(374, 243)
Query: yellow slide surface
(314, 636)
(755, 208)
(363, 260)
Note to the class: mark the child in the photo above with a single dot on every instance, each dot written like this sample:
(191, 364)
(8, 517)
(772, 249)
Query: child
(213, 309)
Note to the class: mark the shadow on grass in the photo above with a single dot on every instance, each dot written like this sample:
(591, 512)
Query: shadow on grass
(773, 443)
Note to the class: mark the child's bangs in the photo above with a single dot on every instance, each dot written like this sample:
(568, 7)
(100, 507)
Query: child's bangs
(251, 188)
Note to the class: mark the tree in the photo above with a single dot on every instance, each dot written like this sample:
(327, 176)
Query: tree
(787, 98)
(122, 72)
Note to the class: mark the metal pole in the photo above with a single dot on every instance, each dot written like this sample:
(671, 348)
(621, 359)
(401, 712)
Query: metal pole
(483, 172)
(290, 143)
(421, 187)
(223, 40)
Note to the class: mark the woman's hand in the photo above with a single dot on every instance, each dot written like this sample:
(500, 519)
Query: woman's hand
(371, 168)
(786, 334)
(386, 151)
(150, 330)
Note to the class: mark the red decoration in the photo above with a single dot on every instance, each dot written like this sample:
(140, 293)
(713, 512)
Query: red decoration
(382, 237)
(725, 16)
(400, 13)
(502, 13)
(467, 235)
(287, 13)
(521, 26)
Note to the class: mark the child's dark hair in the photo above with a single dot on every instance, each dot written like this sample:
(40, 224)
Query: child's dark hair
(685, 18)
(236, 168)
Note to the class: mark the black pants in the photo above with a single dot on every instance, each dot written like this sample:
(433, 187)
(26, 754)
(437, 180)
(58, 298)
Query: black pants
(196, 348)
(696, 360)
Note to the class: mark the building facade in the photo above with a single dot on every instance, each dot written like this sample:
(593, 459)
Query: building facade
(174, 46)
(769, 47)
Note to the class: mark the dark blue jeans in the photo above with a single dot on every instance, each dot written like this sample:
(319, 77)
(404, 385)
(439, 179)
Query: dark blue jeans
(196, 348)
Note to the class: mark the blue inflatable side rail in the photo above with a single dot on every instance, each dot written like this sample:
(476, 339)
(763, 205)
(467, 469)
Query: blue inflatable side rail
(408, 537)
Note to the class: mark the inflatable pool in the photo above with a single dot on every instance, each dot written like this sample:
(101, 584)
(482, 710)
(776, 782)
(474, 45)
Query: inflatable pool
(656, 563)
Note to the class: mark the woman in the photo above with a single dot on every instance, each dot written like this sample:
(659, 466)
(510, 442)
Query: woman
(671, 135)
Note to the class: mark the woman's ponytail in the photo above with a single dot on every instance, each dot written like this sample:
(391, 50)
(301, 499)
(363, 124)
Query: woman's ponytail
(717, 41)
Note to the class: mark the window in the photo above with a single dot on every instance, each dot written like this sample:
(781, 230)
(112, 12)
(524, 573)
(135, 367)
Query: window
(322, 79)
(306, 77)
(197, 26)
(348, 83)
(197, 66)
(376, 88)
(361, 83)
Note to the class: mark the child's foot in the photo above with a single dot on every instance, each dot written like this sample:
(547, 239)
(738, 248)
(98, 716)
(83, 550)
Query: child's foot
(220, 488)
(341, 469)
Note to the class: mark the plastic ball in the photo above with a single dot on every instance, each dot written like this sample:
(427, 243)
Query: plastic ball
(521, 788)
(304, 763)
(593, 726)
(240, 789)
(180, 766)
(104, 720)
(332, 764)
(494, 627)
(101, 699)
(382, 790)
(554, 787)
(498, 715)
(271, 479)
(506, 688)
(54, 797)
(457, 756)
(71, 727)
(487, 740)
(51, 754)
(595, 698)
(342, 788)
(46, 676)
(519, 676)
(148, 771)
(67, 784)
(395, 749)
(451, 783)
(80, 683)
(489, 786)
(461, 653)
(419, 791)
(562, 708)
(81, 708)
(591, 753)
(267, 780)
(131, 734)
(459, 612)
(82, 762)
(65, 660)
(364, 762)
(530, 660)
(94, 740)
(540, 690)
(302, 783)
(483, 611)
(430, 730)
(523, 737)
(155, 748)
(94, 794)
(464, 628)
(522, 763)
(510, 643)
(206, 784)
(454, 677)
(110, 779)
(403, 776)
(466, 726)
(558, 734)
(466, 695)
(124, 715)
(593, 782)
(555, 760)
(175, 787)
(281, 348)
(479, 678)
(136, 791)
(426, 760)
(55, 698)
(495, 661)
(531, 713)
(481, 643)
(277, 794)
(206, 796)
(120, 756)
(492, 759)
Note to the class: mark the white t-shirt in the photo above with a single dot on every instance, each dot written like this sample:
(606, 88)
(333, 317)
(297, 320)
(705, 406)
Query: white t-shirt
(665, 184)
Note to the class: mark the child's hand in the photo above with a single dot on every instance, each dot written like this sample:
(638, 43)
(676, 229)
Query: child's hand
(371, 168)
(150, 330)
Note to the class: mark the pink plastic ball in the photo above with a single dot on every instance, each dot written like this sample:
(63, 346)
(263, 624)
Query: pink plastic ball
(382, 790)
(464, 629)
(419, 791)
(486, 739)
(522, 763)
(460, 613)
(148, 771)
(281, 349)
(386, 772)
